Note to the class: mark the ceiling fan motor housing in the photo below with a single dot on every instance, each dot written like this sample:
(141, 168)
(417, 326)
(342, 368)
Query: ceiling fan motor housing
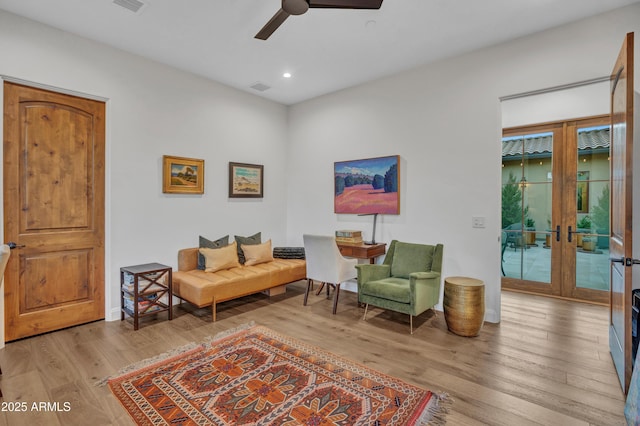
(295, 7)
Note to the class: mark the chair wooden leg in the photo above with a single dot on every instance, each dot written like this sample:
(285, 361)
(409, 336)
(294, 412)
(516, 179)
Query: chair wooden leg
(306, 293)
(320, 289)
(364, 318)
(411, 323)
(336, 294)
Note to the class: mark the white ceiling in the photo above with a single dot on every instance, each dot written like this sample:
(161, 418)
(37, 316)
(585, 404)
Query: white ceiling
(325, 50)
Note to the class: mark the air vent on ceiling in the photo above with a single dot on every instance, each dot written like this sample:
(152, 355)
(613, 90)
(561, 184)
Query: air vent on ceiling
(260, 87)
(132, 5)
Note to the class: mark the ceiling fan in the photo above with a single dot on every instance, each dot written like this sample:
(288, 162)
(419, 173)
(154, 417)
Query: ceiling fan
(298, 7)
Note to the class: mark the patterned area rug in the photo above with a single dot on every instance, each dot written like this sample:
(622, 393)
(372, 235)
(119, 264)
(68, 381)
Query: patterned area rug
(255, 376)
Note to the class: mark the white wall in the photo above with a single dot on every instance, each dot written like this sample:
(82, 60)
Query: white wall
(576, 102)
(153, 110)
(444, 120)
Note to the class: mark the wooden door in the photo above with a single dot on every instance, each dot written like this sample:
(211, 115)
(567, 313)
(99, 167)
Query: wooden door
(621, 211)
(53, 210)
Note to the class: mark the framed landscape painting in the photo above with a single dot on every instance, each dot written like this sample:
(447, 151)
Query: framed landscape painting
(246, 180)
(367, 186)
(182, 175)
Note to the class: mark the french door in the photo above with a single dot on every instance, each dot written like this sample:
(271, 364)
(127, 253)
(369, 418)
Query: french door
(555, 209)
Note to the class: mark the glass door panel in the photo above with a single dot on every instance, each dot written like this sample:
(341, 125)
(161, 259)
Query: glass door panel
(537, 196)
(512, 207)
(527, 188)
(592, 213)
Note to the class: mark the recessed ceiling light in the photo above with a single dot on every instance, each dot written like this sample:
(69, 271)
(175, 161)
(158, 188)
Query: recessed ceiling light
(287, 75)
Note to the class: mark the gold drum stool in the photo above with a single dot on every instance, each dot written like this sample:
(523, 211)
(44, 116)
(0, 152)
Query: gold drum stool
(464, 305)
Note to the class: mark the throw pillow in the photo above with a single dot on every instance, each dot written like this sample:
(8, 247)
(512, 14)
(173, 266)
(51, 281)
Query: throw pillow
(257, 253)
(220, 258)
(288, 252)
(254, 239)
(408, 258)
(205, 243)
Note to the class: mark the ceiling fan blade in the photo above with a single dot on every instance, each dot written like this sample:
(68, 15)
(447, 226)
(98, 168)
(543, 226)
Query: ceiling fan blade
(346, 4)
(272, 25)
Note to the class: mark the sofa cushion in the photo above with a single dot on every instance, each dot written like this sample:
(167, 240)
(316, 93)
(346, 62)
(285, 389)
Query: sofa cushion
(257, 253)
(284, 270)
(206, 243)
(253, 239)
(202, 288)
(220, 258)
(408, 258)
(394, 289)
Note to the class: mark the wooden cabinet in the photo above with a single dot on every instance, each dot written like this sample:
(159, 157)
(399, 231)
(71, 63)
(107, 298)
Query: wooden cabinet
(145, 290)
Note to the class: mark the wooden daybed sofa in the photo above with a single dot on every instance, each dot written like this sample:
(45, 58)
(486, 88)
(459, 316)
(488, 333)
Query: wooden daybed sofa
(203, 288)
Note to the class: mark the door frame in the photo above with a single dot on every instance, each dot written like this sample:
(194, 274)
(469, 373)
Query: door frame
(112, 312)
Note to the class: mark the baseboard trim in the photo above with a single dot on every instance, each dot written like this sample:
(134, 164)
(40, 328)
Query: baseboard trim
(114, 315)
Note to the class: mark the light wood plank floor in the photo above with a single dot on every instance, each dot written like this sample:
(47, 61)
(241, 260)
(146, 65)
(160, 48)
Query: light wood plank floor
(546, 363)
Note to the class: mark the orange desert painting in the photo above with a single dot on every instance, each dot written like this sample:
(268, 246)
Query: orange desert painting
(367, 186)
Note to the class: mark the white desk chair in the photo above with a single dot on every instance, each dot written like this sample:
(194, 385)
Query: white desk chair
(326, 264)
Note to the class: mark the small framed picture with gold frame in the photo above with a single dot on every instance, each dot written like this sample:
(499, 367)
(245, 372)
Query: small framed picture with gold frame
(182, 175)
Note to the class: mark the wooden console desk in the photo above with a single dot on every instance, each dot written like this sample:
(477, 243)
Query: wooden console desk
(363, 251)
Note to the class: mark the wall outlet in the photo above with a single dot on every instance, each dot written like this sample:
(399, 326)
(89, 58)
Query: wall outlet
(477, 222)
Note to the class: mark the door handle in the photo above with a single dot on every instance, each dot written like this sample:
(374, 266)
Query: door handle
(570, 233)
(627, 261)
(558, 233)
(13, 245)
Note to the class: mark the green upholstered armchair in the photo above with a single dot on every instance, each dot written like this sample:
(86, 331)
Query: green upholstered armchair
(408, 280)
